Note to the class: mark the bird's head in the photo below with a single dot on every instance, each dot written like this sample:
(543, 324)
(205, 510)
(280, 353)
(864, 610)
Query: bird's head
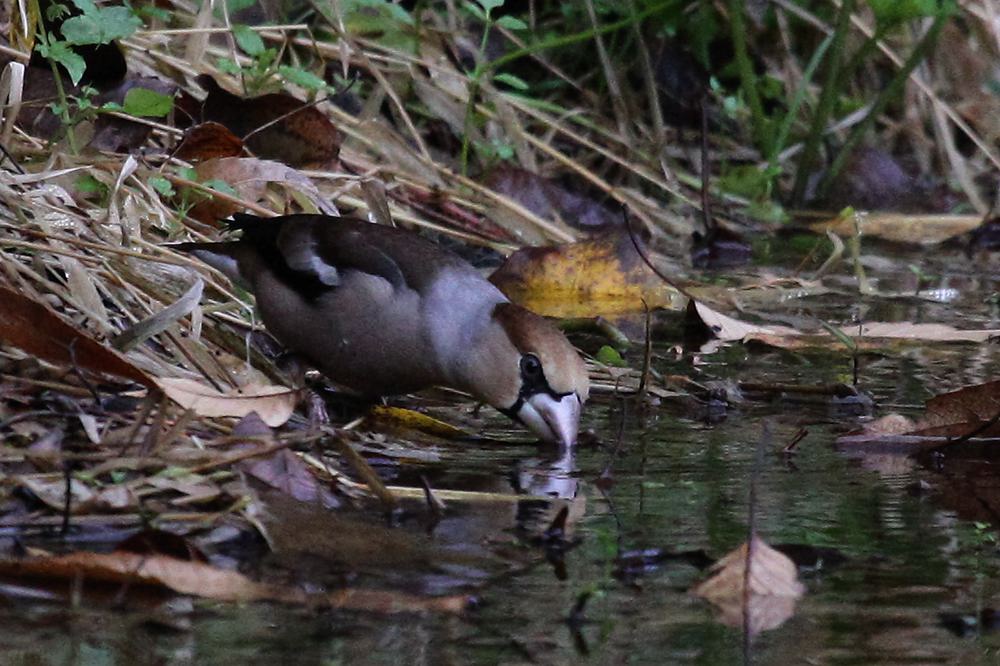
(533, 374)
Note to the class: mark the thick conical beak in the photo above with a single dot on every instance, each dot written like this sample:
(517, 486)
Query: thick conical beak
(553, 420)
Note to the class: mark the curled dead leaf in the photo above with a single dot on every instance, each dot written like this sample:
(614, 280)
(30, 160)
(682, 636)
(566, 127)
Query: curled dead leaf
(186, 577)
(278, 467)
(868, 335)
(956, 415)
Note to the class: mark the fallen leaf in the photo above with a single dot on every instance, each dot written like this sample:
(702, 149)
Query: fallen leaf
(249, 178)
(870, 335)
(754, 578)
(282, 469)
(37, 330)
(407, 419)
(980, 402)
(905, 330)
(83, 499)
(52, 493)
(727, 329)
(84, 295)
(186, 577)
(274, 126)
(162, 320)
(274, 404)
(207, 141)
(948, 416)
(899, 228)
(203, 580)
(600, 276)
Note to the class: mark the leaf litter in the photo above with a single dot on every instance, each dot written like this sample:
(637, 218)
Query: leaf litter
(86, 264)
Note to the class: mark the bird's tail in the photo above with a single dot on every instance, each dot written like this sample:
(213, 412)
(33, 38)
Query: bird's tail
(223, 256)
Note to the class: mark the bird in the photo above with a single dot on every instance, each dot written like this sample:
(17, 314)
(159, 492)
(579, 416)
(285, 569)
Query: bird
(383, 311)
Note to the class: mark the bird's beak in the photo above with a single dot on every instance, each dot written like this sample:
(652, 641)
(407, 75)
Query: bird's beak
(553, 420)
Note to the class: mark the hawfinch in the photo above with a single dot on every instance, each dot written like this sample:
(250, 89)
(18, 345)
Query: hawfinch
(385, 311)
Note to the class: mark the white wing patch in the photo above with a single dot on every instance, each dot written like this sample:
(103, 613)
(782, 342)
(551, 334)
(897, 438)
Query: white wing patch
(299, 250)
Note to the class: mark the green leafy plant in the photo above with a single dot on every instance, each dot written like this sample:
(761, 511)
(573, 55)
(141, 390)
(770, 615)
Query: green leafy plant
(841, 67)
(483, 11)
(92, 26)
(264, 65)
(142, 103)
(777, 117)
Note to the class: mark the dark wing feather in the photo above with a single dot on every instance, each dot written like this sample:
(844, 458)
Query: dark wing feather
(310, 253)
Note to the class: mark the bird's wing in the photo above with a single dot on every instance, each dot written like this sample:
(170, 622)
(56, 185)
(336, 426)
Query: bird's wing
(312, 252)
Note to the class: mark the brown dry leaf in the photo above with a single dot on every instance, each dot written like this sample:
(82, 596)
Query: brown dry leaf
(83, 291)
(83, 499)
(203, 580)
(407, 419)
(281, 469)
(599, 276)
(955, 414)
(35, 329)
(186, 577)
(905, 330)
(728, 329)
(208, 141)
(250, 177)
(52, 493)
(274, 404)
(769, 595)
(900, 228)
(980, 402)
(285, 471)
(876, 335)
(867, 336)
(275, 126)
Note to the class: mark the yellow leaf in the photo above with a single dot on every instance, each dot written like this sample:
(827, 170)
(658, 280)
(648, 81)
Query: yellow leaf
(604, 275)
(407, 419)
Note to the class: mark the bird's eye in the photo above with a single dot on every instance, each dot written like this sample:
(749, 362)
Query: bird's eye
(531, 367)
